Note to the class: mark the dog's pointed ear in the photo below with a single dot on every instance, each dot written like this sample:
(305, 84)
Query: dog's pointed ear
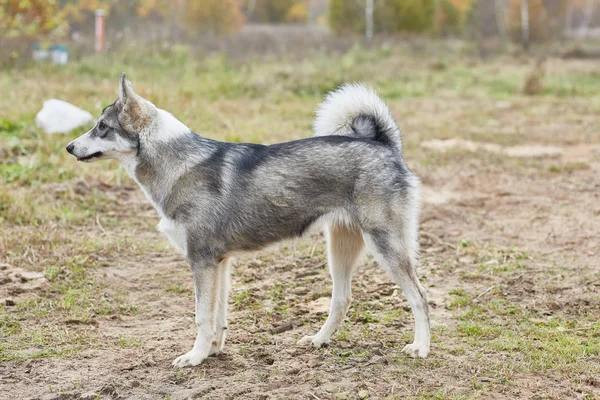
(126, 92)
(135, 113)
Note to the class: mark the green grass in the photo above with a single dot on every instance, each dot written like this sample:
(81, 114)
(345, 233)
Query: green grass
(557, 344)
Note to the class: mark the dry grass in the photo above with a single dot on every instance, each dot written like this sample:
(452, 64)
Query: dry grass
(509, 243)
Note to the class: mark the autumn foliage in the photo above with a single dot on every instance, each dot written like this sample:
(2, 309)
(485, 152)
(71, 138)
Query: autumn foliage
(544, 22)
(217, 16)
(23, 21)
(418, 16)
(29, 18)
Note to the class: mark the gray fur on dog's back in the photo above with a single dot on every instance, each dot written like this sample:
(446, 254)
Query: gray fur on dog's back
(262, 194)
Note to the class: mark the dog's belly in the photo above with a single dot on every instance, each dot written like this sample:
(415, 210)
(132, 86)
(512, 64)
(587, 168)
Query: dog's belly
(176, 233)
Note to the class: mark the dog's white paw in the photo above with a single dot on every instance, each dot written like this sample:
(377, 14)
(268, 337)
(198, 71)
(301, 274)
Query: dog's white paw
(189, 359)
(416, 350)
(315, 340)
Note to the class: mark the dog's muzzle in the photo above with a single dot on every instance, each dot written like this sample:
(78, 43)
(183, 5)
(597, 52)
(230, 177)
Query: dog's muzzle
(71, 149)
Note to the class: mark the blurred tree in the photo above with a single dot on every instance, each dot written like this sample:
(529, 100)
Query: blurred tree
(156, 9)
(22, 22)
(82, 11)
(525, 23)
(346, 16)
(217, 16)
(298, 13)
(317, 11)
(450, 16)
(419, 16)
(405, 15)
(483, 19)
(543, 23)
(275, 11)
(29, 18)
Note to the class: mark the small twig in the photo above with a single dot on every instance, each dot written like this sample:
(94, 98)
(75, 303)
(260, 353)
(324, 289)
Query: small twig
(546, 253)
(314, 395)
(312, 251)
(580, 329)
(99, 224)
(437, 239)
(484, 292)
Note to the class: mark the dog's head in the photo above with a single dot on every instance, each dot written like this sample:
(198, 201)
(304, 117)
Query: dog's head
(118, 130)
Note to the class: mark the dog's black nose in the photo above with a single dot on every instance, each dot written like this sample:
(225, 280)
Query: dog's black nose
(70, 147)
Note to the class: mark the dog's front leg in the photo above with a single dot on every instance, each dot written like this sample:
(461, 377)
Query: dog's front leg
(222, 300)
(205, 271)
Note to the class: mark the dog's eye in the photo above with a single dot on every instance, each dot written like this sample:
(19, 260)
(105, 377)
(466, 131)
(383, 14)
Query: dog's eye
(102, 126)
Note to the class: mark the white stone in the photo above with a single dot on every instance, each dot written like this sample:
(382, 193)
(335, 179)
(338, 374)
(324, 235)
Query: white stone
(57, 116)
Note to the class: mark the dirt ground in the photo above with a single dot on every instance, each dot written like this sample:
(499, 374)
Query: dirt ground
(510, 236)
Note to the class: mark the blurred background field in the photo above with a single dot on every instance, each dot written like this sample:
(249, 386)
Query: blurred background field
(500, 121)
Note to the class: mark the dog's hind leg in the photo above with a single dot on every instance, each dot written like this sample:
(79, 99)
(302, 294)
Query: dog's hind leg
(398, 257)
(206, 276)
(344, 247)
(222, 299)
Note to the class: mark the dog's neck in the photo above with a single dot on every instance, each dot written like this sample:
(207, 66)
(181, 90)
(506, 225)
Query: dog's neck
(164, 156)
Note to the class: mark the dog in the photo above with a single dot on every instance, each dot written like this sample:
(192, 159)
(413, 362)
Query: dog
(219, 199)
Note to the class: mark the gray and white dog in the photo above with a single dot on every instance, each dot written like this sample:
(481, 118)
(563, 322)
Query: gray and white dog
(219, 199)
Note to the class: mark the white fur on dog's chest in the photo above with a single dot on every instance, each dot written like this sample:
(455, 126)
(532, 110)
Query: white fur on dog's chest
(175, 232)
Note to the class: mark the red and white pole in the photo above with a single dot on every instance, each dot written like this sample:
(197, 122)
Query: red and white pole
(99, 31)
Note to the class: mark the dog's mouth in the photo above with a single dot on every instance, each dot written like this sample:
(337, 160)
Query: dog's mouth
(86, 158)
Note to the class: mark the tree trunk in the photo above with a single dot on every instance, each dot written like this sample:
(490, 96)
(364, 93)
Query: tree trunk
(250, 10)
(369, 19)
(569, 20)
(587, 18)
(525, 23)
(500, 11)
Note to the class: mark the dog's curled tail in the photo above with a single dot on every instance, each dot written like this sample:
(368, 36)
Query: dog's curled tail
(355, 110)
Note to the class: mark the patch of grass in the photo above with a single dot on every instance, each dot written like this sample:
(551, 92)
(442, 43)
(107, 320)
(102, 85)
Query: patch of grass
(499, 268)
(244, 300)
(363, 312)
(569, 167)
(461, 299)
(29, 172)
(26, 208)
(556, 344)
(10, 128)
(178, 289)
(277, 293)
(570, 85)
(44, 342)
(129, 342)
(441, 395)
(393, 316)
(8, 325)
(343, 334)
